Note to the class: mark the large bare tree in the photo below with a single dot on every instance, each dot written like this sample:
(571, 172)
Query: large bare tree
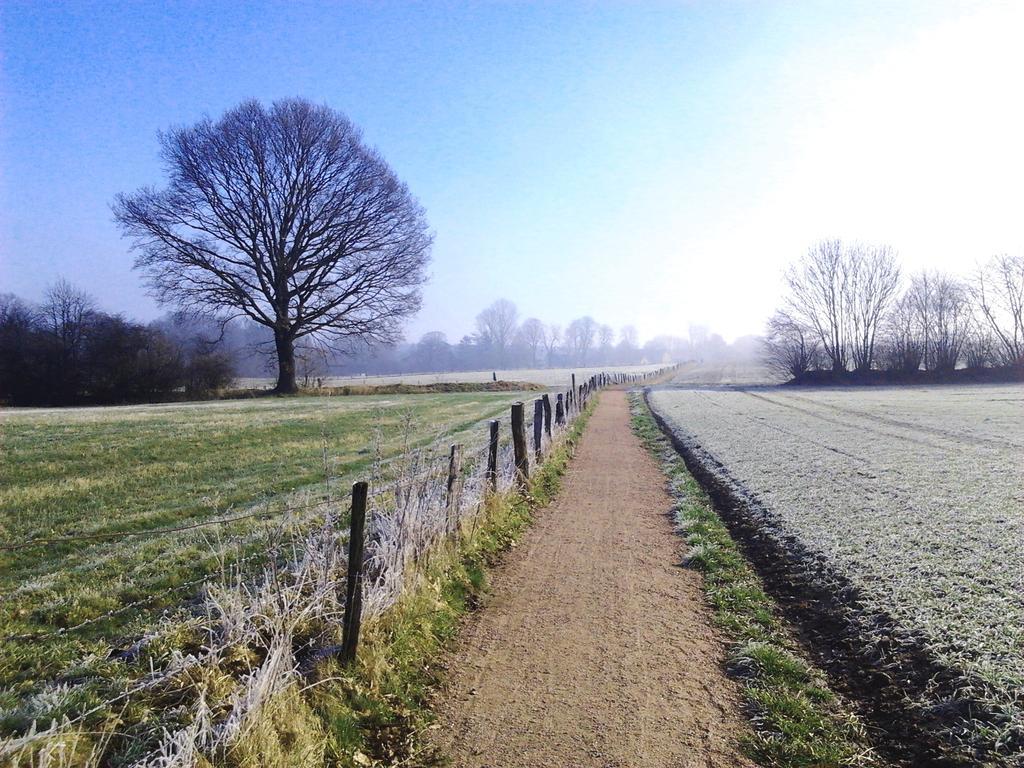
(283, 215)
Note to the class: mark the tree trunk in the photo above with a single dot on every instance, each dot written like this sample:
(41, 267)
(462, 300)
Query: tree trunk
(285, 364)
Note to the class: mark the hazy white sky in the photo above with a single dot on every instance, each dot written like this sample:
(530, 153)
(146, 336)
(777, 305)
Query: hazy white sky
(647, 163)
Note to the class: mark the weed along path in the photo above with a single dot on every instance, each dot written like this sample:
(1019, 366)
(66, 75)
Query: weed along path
(594, 647)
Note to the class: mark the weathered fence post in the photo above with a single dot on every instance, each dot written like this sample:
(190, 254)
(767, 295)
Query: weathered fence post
(354, 585)
(573, 395)
(452, 498)
(547, 414)
(492, 457)
(519, 445)
(559, 411)
(538, 429)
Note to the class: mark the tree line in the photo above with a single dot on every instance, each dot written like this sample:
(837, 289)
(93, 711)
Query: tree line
(65, 351)
(849, 308)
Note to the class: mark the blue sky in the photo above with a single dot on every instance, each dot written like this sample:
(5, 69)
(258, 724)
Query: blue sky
(647, 163)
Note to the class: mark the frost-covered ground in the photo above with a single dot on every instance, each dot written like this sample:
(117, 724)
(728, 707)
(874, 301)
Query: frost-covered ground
(916, 495)
(726, 374)
(549, 377)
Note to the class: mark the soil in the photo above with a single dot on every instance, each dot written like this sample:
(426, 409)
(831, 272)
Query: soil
(594, 647)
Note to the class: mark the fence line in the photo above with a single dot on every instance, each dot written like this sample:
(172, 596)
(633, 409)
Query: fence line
(392, 535)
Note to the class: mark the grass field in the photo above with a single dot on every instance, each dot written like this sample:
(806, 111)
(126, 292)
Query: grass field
(549, 377)
(910, 499)
(94, 477)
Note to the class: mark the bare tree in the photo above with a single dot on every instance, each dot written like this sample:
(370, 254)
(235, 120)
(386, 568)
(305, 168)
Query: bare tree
(628, 347)
(605, 337)
(979, 348)
(818, 287)
(496, 326)
(311, 362)
(873, 278)
(579, 337)
(950, 321)
(790, 347)
(283, 215)
(532, 334)
(552, 338)
(66, 313)
(842, 293)
(998, 297)
(904, 349)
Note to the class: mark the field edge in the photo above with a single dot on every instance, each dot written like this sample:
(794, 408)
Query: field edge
(917, 709)
(796, 718)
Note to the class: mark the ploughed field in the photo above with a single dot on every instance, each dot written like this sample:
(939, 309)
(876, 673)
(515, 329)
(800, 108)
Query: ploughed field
(907, 503)
(548, 377)
(97, 506)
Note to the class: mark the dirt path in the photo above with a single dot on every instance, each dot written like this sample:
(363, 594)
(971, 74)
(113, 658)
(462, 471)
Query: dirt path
(595, 648)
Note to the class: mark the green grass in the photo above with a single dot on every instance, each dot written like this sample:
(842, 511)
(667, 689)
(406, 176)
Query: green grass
(98, 471)
(798, 722)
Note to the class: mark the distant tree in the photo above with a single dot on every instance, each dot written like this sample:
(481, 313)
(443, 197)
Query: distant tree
(790, 347)
(979, 348)
(943, 318)
(605, 337)
(903, 347)
(496, 327)
(311, 362)
(627, 350)
(552, 338)
(579, 337)
(66, 314)
(531, 333)
(665, 349)
(433, 352)
(282, 215)
(997, 292)
(21, 368)
(698, 340)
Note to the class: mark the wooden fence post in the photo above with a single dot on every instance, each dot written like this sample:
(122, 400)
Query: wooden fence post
(559, 411)
(492, 457)
(538, 429)
(572, 397)
(519, 445)
(354, 585)
(452, 499)
(547, 414)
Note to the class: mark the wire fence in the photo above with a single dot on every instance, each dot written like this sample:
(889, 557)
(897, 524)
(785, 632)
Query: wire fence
(319, 576)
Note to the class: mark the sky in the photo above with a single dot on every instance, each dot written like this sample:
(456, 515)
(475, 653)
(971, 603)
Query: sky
(647, 163)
